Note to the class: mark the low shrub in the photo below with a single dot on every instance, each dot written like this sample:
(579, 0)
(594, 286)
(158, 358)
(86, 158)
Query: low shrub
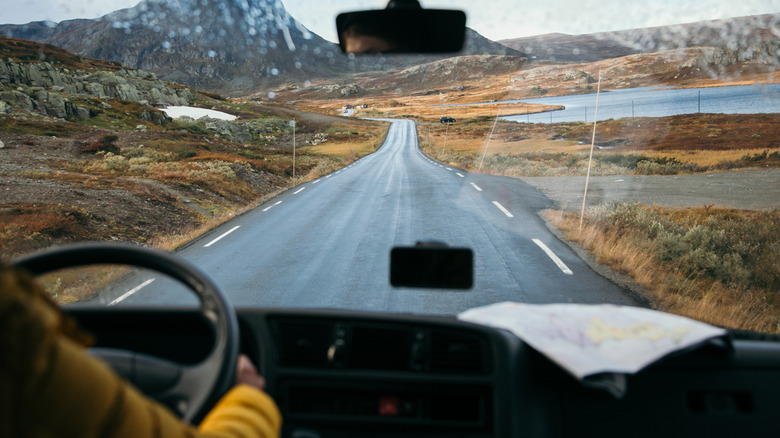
(665, 166)
(106, 144)
(713, 264)
(629, 161)
(735, 247)
(761, 156)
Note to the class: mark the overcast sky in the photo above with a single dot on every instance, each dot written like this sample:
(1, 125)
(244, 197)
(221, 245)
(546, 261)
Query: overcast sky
(500, 20)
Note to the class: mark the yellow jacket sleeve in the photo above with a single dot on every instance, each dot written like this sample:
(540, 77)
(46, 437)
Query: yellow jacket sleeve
(50, 387)
(243, 412)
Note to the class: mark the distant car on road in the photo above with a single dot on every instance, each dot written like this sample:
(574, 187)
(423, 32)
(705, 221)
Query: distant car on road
(447, 119)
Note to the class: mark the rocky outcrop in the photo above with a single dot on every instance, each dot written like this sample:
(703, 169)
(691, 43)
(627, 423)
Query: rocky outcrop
(235, 131)
(47, 89)
(41, 101)
(241, 132)
(352, 90)
(16, 99)
(764, 52)
(125, 84)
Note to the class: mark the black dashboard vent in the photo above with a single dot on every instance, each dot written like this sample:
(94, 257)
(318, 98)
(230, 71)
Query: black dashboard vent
(458, 353)
(379, 348)
(304, 344)
(375, 346)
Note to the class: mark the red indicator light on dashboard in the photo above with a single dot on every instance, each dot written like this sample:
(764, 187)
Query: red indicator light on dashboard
(388, 406)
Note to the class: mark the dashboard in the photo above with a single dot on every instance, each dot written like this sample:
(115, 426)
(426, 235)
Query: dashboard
(350, 374)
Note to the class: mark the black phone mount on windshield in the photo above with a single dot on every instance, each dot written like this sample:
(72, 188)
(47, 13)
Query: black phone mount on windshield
(432, 265)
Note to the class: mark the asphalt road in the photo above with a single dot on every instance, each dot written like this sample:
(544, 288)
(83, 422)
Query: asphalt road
(327, 243)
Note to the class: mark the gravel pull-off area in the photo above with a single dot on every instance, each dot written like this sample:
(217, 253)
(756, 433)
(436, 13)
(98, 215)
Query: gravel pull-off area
(745, 189)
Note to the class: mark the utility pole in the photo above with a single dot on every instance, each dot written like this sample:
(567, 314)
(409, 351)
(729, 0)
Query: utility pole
(590, 159)
(446, 131)
(699, 109)
(292, 123)
(488, 140)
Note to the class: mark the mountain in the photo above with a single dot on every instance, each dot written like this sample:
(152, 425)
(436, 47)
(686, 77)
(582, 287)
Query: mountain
(223, 45)
(728, 34)
(476, 44)
(228, 46)
(558, 47)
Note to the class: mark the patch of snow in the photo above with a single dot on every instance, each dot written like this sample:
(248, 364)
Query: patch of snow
(196, 113)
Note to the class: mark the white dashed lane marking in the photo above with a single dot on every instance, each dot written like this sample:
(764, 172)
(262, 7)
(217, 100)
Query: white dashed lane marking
(221, 236)
(504, 210)
(553, 257)
(132, 291)
(272, 206)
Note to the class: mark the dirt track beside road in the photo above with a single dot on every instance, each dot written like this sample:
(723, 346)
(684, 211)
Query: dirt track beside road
(744, 189)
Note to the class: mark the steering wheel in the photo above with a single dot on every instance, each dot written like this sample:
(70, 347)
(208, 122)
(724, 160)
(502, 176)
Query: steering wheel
(188, 389)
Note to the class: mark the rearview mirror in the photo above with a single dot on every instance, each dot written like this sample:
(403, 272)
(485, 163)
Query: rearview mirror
(432, 267)
(407, 29)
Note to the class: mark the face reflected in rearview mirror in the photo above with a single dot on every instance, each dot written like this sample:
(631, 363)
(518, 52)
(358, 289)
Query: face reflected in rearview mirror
(401, 31)
(358, 43)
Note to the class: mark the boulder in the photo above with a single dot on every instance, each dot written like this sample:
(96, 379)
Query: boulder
(50, 104)
(157, 117)
(17, 99)
(83, 112)
(351, 90)
(234, 131)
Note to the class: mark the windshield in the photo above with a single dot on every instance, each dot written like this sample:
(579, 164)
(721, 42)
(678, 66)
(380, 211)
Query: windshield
(627, 154)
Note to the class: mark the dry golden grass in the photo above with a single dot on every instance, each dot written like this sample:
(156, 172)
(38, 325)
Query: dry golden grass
(348, 142)
(672, 290)
(708, 157)
(427, 110)
(471, 142)
(338, 149)
(497, 146)
(344, 148)
(73, 285)
(701, 157)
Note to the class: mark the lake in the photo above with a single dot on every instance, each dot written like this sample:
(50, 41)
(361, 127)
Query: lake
(657, 102)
